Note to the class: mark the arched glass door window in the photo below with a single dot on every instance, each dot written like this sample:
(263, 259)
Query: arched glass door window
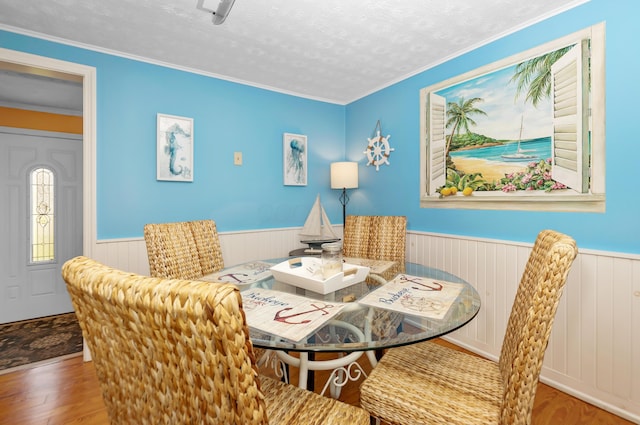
(42, 215)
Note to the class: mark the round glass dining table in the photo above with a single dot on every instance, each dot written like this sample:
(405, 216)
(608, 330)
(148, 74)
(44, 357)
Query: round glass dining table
(365, 328)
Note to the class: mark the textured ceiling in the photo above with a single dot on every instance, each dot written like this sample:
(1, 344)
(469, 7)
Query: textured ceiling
(333, 50)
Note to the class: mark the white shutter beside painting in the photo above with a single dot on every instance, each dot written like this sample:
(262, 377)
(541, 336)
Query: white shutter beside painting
(436, 143)
(570, 141)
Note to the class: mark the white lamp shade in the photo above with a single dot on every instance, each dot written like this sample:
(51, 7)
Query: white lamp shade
(344, 175)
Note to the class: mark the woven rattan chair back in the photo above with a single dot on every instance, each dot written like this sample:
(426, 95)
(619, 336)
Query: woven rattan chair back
(166, 351)
(531, 321)
(208, 245)
(183, 250)
(375, 237)
(429, 383)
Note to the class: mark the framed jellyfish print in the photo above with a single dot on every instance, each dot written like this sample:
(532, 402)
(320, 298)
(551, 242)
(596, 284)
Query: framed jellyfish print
(294, 149)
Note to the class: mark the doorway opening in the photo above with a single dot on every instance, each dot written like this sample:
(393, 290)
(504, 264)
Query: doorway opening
(39, 68)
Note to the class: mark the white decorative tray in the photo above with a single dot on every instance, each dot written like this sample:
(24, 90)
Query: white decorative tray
(309, 275)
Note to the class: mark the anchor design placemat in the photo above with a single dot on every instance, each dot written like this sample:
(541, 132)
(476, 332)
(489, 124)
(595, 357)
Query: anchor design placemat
(242, 274)
(418, 296)
(287, 315)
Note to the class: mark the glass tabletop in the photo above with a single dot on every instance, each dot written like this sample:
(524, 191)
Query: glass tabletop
(360, 326)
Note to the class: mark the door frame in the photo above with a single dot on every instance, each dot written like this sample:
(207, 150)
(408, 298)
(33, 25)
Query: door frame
(40, 65)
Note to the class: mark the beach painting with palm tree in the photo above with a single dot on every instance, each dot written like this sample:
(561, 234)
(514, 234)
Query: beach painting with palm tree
(517, 128)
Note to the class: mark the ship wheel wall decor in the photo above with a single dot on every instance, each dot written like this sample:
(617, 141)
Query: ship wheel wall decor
(378, 149)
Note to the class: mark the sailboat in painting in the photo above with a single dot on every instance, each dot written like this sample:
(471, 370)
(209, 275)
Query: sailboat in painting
(317, 228)
(521, 155)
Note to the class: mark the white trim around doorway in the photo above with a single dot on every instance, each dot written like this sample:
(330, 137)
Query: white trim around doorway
(34, 64)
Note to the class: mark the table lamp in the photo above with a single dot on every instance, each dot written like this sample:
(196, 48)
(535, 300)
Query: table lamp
(344, 175)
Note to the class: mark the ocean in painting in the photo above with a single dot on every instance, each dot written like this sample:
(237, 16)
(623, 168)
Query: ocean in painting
(540, 147)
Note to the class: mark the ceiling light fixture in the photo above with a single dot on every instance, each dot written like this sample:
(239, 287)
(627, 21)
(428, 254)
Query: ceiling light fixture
(219, 12)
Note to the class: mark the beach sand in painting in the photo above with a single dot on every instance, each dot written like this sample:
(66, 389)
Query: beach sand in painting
(491, 171)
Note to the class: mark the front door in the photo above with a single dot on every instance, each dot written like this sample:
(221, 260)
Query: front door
(40, 219)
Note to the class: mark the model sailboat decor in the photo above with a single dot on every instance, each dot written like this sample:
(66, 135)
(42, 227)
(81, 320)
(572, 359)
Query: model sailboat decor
(317, 228)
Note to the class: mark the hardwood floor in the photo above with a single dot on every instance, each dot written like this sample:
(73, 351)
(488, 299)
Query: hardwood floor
(67, 392)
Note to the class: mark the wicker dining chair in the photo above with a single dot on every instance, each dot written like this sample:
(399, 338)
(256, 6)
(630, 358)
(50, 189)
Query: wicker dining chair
(208, 245)
(375, 237)
(178, 352)
(183, 250)
(429, 383)
(186, 250)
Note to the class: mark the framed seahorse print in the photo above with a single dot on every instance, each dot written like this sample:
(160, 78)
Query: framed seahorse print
(174, 148)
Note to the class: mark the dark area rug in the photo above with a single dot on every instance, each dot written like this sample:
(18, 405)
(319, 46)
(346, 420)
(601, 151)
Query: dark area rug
(33, 341)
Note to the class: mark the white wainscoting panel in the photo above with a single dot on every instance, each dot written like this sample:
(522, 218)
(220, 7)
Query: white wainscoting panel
(594, 350)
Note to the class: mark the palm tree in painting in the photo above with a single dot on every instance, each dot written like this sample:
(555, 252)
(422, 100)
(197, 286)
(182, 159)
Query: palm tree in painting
(459, 116)
(534, 75)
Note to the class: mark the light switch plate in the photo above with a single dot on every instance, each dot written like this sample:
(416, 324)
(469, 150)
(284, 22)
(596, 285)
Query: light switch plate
(237, 158)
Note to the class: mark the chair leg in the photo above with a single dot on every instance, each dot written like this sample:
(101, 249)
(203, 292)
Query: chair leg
(380, 352)
(311, 383)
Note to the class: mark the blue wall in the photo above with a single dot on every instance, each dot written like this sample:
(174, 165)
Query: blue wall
(228, 117)
(395, 189)
(231, 117)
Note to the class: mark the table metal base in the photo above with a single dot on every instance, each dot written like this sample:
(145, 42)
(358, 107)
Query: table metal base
(345, 368)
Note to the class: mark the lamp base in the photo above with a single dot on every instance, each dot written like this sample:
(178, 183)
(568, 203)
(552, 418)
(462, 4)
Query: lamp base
(344, 200)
